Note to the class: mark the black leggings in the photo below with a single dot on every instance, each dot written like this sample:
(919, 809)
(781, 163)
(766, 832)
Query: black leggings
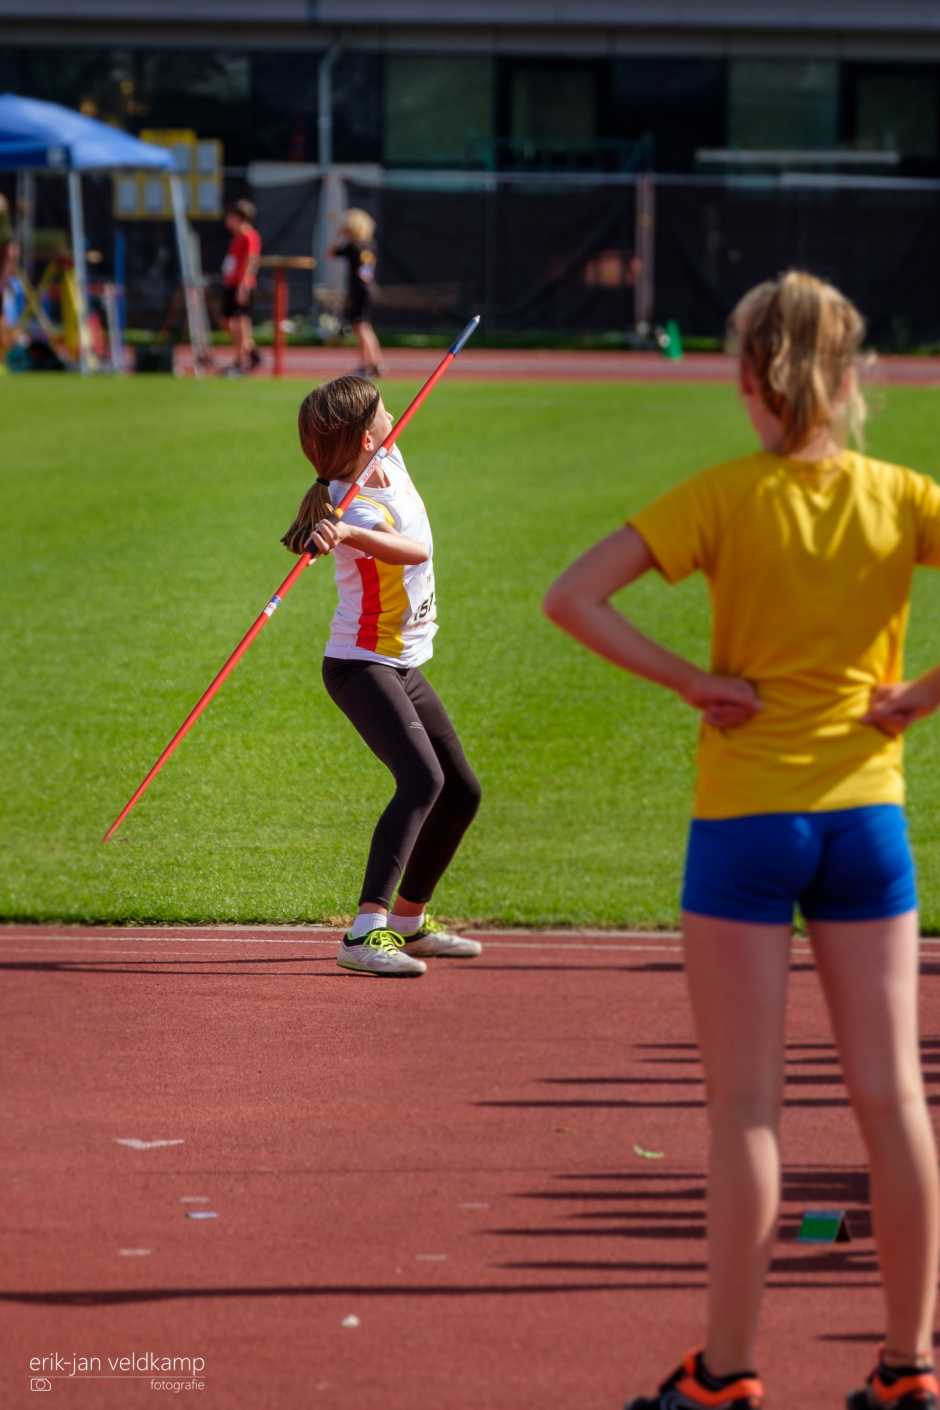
(436, 795)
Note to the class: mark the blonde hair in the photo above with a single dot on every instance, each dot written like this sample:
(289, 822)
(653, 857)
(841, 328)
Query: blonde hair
(332, 422)
(360, 225)
(802, 338)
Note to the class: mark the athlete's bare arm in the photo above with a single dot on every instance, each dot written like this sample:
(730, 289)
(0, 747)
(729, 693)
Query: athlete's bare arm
(579, 603)
(381, 541)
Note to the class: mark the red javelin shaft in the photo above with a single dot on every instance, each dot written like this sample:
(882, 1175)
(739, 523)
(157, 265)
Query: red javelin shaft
(306, 558)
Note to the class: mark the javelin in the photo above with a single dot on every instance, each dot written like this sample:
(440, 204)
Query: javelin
(306, 557)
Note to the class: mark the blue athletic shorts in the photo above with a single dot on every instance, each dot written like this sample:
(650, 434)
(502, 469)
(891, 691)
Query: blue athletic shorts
(849, 864)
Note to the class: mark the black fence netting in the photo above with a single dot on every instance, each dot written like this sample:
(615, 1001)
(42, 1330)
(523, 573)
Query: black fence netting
(553, 259)
(880, 246)
(286, 221)
(557, 258)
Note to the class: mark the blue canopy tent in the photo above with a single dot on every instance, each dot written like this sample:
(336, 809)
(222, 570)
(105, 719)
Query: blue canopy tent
(37, 137)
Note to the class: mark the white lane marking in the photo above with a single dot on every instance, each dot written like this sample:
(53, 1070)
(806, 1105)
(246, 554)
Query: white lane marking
(228, 940)
(473, 1205)
(166, 940)
(194, 1199)
(518, 945)
(137, 1145)
(134, 1252)
(201, 1214)
(431, 1257)
(289, 934)
(927, 943)
(245, 933)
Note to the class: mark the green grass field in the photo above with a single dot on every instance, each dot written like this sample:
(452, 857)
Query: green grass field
(140, 524)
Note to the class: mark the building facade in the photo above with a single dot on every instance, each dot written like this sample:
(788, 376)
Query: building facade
(495, 83)
(463, 106)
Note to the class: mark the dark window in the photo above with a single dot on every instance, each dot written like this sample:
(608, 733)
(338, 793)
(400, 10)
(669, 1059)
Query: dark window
(783, 104)
(208, 91)
(682, 102)
(897, 113)
(553, 105)
(285, 106)
(357, 108)
(438, 109)
(896, 108)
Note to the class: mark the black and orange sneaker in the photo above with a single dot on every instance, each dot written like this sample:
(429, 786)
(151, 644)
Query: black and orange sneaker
(897, 1388)
(693, 1387)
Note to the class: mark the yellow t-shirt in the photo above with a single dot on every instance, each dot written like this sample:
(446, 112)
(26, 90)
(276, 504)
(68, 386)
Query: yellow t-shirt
(809, 569)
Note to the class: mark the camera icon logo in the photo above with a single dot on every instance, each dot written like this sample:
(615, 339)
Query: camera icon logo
(40, 1383)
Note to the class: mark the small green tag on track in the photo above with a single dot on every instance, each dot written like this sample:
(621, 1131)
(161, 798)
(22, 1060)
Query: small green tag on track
(649, 1155)
(824, 1226)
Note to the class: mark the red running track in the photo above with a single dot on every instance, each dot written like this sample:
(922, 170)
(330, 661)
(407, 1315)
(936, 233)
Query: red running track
(313, 364)
(449, 1160)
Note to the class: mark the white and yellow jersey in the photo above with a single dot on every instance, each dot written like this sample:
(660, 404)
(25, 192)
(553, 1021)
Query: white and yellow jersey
(387, 611)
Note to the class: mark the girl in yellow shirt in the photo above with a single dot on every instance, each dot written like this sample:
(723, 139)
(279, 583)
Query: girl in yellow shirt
(809, 551)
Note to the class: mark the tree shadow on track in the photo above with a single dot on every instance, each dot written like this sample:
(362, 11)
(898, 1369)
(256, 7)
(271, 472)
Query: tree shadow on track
(666, 1211)
(169, 966)
(536, 966)
(641, 1205)
(863, 1337)
(116, 1296)
(535, 1104)
(798, 1055)
(616, 1231)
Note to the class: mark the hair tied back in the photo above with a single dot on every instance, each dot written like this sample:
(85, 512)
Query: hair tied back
(802, 338)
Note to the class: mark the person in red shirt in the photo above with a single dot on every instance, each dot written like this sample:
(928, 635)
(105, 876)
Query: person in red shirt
(239, 269)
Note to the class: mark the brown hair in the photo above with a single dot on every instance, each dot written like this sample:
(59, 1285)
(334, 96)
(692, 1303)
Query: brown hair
(802, 338)
(246, 209)
(333, 420)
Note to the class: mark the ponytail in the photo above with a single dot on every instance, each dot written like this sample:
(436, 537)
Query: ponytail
(315, 505)
(802, 338)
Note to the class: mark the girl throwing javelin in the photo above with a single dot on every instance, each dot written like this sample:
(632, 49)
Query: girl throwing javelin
(809, 550)
(380, 636)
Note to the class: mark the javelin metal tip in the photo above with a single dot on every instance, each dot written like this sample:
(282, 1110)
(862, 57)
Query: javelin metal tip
(467, 333)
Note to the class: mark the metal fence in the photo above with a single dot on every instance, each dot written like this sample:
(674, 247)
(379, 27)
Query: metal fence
(593, 253)
(568, 253)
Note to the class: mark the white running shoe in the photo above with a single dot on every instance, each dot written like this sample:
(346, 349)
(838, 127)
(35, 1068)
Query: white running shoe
(379, 952)
(434, 942)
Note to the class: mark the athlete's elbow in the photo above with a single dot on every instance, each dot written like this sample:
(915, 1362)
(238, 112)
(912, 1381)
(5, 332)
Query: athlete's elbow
(556, 605)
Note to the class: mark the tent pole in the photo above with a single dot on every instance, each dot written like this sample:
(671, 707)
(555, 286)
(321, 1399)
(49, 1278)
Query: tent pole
(81, 271)
(115, 342)
(195, 246)
(328, 188)
(26, 217)
(325, 104)
(191, 289)
(645, 288)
